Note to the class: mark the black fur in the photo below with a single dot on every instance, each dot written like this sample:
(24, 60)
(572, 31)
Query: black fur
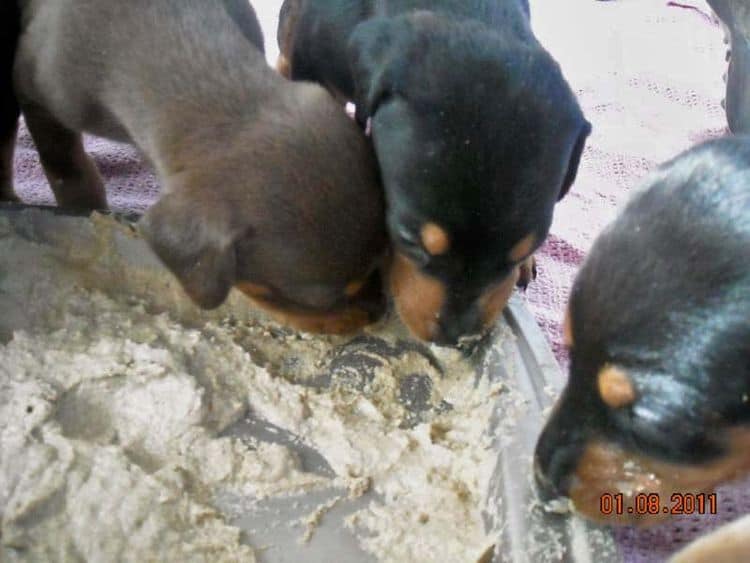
(735, 14)
(267, 186)
(474, 126)
(9, 110)
(665, 295)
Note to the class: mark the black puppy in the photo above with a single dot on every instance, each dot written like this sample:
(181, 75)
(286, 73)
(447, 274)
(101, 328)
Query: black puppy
(477, 136)
(658, 326)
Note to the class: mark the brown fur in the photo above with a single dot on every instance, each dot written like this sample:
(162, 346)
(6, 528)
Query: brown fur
(434, 239)
(492, 302)
(567, 330)
(290, 13)
(526, 272)
(417, 72)
(523, 248)
(265, 183)
(419, 298)
(606, 468)
(615, 387)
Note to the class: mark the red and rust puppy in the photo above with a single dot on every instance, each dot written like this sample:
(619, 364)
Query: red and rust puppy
(658, 327)
(477, 136)
(267, 185)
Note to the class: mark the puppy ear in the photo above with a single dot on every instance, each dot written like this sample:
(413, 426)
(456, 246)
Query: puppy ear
(575, 159)
(374, 50)
(196, 243)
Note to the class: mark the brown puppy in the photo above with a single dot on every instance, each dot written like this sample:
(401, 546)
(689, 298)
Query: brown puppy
(267, 185)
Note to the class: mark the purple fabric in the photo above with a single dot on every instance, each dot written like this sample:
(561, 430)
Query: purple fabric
(649, 79)
(131, 186)
(654, 545)
(648, 76)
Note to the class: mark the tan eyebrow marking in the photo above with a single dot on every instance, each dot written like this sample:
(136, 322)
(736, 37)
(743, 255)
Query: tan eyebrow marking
(435, 239)
(522, 248)
(353, 287)
(615, 387)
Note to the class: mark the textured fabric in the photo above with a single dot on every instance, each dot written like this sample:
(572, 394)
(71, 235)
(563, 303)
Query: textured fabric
(648, 75)
(131, 186)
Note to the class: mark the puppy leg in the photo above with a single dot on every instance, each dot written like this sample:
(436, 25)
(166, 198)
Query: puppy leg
(527, 272)
(71, 173)
(735, 20)
(283, 67)
(9, 113)
(737, 101)
(288, 17)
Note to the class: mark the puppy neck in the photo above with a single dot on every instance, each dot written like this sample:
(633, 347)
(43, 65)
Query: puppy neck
(282, 118)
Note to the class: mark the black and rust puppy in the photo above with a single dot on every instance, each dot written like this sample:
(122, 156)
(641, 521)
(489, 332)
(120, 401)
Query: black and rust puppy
(267, 185)
(658, 327)
(477, 136)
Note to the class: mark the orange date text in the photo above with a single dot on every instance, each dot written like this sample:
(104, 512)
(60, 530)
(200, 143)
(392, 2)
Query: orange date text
(651, 504)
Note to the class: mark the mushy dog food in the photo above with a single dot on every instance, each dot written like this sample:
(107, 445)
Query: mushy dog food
(115, 435)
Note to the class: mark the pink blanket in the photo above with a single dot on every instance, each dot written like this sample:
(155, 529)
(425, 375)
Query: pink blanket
(648, 76)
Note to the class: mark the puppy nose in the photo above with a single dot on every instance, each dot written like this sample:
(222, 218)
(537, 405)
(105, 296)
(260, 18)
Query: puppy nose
(546, 489)
(551, 482)
(555, 462)
(453, 329)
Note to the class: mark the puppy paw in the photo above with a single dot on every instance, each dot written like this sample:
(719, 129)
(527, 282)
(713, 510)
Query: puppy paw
(526, 272)
(283, 67)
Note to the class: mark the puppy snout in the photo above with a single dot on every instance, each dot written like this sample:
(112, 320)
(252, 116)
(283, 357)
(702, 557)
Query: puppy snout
(546, 489)
(459, 329)
(553, 475)
(555, 462)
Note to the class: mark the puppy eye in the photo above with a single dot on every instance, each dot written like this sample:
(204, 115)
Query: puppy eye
(407, 238)
(384, 97)
(412, 247)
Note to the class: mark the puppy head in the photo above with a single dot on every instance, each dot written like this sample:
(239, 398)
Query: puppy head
(658, 398)
(286, 207)
(477, 136)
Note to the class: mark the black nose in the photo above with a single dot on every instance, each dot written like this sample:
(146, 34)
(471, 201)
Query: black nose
(551, 482)
(459, 329)
(555, 461)
(546, 489)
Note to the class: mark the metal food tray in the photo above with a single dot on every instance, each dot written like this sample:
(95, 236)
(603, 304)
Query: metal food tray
(104, 252)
